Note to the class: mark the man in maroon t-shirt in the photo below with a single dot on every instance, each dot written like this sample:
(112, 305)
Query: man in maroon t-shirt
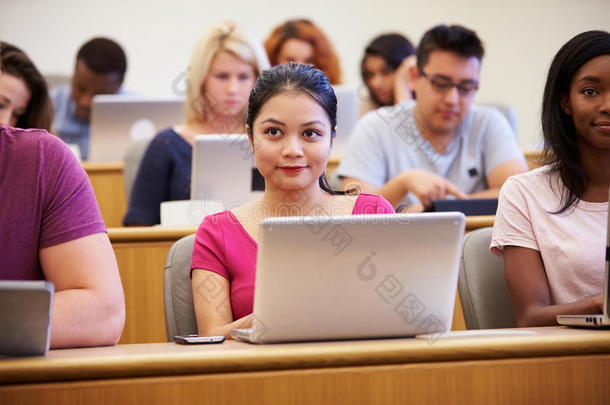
(51, 228)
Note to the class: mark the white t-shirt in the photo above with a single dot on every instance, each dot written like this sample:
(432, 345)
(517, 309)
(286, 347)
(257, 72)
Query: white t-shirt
(572, 244)
(387, 142)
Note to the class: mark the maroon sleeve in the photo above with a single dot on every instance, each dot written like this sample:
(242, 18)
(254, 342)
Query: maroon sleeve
(69, 208)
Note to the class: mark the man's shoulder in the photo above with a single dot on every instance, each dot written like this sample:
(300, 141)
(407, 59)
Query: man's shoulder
(27, 140)
(479, 113)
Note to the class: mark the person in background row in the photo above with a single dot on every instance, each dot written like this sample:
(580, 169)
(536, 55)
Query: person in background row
(440, 145)
(99, 69)
(301, 41)
(224, 65)
(385, 72)
(51, 228)
(551, 222)
(24, 97)
(292, 114)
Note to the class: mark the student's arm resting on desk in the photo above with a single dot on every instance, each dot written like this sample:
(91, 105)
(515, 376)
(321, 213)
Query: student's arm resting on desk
(213, 306)
(88, 305)
(402, 86)
(497, 177)
(426, 186)
(529, 290)
(514, 237)
(501, 154)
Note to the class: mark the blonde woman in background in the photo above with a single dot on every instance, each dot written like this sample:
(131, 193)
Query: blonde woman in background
(224, 65)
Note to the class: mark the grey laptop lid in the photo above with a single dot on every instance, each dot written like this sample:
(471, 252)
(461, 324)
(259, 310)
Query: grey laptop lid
(223, 170)
(118, 120)
(25, 317)
(360, 276)
(347, 116)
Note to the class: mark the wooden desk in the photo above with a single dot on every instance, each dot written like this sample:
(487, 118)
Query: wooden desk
(107, 181)
(141, 254)
(558, 366)
(533, 158)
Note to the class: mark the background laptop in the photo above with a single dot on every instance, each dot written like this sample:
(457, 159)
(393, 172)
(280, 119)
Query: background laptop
(475, 206)
(594, 320)
(223, 170)
(349, 277)
(118, 120)
(347, 116)
(25, 317)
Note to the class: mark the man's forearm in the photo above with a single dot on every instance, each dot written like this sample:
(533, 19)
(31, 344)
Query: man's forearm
(83, 317)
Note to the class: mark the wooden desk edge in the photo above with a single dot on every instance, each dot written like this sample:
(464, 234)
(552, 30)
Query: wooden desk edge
(479, 221)
(102, 166)
(147, 234)
(144, 234)
(284, 357)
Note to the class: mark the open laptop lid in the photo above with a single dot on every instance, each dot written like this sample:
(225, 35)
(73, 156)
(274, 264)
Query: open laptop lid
(25, 317)
(118, 120)
(347, 116)
(361, 276)
(223, 169)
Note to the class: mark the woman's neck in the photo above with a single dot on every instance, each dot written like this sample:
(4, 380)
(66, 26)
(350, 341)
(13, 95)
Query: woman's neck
(596, 163)
(283, 203)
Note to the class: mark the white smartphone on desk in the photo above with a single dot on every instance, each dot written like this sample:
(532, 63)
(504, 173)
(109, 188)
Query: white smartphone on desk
(196, 339)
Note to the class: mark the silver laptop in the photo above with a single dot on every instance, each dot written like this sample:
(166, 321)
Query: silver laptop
(118, 120)
(223, 169)
(25, 317)
(594, 320)
(347, 116)
(355, 277)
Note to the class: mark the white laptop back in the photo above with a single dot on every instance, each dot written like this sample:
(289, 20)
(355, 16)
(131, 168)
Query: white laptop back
(223, 170)
(25, 317)
(347, 116)
(118, 120)
(361, 276)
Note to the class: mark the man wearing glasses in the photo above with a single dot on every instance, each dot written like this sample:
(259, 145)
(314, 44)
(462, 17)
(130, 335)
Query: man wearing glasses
(438, 146)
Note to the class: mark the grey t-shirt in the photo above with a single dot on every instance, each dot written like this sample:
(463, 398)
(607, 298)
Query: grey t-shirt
(386, 142)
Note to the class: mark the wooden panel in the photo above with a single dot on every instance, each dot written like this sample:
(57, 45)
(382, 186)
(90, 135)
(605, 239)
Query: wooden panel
(562, 380)
(107, 182)
(141, 254)
(533, 158)
(141, 269)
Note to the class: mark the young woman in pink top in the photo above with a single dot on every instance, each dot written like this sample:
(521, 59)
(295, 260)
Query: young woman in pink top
(291, 122)
(551, 222)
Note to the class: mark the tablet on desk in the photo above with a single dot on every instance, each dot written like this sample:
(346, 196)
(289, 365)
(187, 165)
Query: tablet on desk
(475, 206)
(25, 317)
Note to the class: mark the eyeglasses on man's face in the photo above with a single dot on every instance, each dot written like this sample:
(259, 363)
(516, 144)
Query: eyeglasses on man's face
(443, 84)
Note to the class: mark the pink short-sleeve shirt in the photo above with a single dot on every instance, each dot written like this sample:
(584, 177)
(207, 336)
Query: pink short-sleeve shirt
(571, 244)
(224, 247)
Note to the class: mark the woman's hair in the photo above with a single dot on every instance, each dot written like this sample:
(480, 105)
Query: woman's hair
(393, 48)
(294, 78)
(324, 57)
(39, 112)
(227, 37)
(560, 138)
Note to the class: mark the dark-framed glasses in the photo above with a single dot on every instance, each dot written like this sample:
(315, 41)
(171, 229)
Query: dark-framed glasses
(443, 84)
